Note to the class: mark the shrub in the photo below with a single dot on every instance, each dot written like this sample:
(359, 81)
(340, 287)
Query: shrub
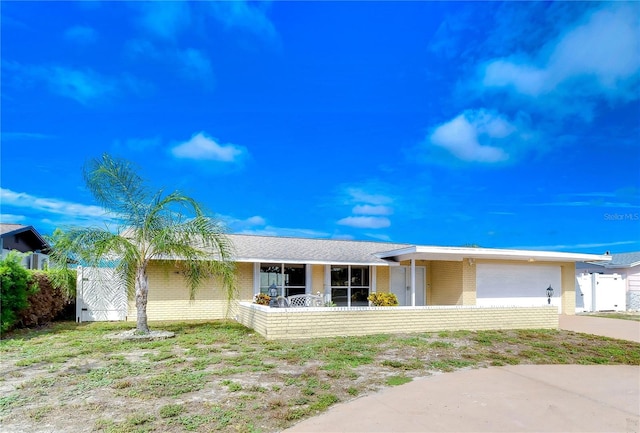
(262, 299)
(15, 287)
(383, 299)
(46, 302)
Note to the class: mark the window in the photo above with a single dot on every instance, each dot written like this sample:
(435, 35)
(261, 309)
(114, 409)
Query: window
(290, 279)
(350, 285)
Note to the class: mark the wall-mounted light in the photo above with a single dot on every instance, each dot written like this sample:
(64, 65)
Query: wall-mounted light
(549, 294)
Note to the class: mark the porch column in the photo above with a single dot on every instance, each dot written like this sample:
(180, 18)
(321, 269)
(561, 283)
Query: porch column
(413, 282)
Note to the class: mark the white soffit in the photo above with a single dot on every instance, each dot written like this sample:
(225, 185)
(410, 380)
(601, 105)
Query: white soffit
(459, 254)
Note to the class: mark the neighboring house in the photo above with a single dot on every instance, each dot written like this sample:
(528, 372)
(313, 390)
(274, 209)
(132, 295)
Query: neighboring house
(609, 285)
(25, 239)
(424, 278)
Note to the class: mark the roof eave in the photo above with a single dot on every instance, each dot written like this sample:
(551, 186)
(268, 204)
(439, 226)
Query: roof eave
(459, 254)
(381, 262)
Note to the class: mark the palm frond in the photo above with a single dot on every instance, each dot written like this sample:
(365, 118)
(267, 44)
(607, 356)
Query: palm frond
(117, 187)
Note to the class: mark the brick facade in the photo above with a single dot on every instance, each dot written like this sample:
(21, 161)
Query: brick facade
(297, 323)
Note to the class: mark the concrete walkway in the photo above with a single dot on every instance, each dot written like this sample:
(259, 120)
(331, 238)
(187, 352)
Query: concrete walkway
(522, 398)
(614, 328)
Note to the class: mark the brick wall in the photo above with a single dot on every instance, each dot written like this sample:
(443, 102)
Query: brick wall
(447, 283)
(169, 297)
(317, 279)
(244, 272)
(289, 323)
(382, 278)
(468, 283)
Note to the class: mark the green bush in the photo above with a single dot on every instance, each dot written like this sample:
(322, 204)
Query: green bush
(383, 299)
(47, 302)
(16, 285)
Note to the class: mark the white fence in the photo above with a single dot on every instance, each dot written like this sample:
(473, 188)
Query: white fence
(101, 295)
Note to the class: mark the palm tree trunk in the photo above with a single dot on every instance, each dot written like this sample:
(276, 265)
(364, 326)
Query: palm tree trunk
(142, 290)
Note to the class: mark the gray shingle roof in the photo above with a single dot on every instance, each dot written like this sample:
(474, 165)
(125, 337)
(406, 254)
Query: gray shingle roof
(252, 248)
(621, 260)
(8, 228)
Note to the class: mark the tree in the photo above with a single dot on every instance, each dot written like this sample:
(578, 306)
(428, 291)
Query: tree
(151, 226)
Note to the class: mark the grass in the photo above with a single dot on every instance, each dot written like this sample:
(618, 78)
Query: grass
(623, 316)
(220, 376)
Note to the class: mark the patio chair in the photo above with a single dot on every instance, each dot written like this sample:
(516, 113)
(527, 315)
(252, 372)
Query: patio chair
(297, 301)
(282, 302)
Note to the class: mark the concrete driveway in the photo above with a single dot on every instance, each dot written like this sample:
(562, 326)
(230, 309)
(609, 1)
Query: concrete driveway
(614, 328)
(522, 398)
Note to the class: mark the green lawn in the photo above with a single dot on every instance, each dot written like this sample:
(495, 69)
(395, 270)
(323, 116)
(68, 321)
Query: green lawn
(623, 316)
(221, 376)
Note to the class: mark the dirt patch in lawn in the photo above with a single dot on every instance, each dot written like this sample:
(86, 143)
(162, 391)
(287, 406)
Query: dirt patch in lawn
(220, 376)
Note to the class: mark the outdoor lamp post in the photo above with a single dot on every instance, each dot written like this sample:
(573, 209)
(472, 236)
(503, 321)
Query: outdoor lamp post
(273, 294)
(549, 294)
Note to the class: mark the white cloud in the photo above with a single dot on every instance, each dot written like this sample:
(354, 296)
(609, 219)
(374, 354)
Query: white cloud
(477, 136)
(367, 209)
(242, 14)
(84, 86)
(190, 63)
(237, 224)
(196, 66)
(61, 212)
(256, 220)
(24, 136)
(284, 231)
(370, 209)
(7, 218)
(359, 195)
(600, 56)
(164, 19)
(49, 205)
(379, 236)
(82, 35)
(257, 225)
(365, 222)
(203, 147)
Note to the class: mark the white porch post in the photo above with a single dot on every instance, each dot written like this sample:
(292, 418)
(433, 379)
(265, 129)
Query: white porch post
(413, 282)
(256, 278)
(327, 283)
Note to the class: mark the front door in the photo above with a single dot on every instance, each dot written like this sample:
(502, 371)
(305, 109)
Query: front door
(401, 284)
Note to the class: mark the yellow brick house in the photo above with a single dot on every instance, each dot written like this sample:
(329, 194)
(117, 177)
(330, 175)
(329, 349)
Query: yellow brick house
(437, 287)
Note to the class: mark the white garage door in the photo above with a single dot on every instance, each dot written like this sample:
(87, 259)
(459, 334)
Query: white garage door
(517, 285)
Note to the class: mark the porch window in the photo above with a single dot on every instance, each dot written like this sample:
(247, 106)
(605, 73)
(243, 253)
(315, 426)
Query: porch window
(290, 279)
(350, 285)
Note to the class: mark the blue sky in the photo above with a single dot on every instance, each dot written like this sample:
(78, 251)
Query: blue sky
(509, 125)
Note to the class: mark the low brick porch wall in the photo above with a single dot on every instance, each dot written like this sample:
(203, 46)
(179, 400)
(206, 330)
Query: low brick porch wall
(294, 323)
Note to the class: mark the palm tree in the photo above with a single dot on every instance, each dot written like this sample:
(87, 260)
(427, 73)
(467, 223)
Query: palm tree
(151, 226)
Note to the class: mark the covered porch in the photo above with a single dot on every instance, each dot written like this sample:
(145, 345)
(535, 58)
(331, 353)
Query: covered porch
(296, 323)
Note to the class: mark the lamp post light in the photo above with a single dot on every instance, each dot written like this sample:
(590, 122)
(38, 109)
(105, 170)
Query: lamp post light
(273, 294)
(549, 294)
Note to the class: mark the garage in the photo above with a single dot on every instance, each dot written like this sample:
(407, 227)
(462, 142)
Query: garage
(500, 284)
